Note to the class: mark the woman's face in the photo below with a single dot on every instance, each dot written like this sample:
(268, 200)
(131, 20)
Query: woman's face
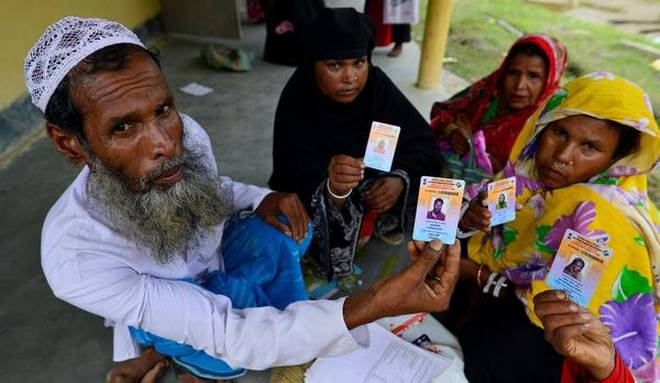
(524, 81)
(575, 149)
(342, 80)
(437, 206)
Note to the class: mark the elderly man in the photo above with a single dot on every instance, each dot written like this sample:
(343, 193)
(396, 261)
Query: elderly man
(142, 229)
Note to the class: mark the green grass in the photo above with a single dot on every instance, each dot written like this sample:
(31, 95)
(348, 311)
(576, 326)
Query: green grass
(480, 45)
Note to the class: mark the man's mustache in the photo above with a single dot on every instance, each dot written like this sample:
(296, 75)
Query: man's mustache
(167, 167)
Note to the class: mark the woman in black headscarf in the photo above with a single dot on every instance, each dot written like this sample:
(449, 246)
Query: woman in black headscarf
(322, 125)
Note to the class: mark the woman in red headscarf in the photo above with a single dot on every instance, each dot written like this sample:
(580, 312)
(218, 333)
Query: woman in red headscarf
(495, 108)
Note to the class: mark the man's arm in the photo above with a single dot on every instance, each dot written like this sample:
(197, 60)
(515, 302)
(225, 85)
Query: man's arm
(245, 196)
(254, 338)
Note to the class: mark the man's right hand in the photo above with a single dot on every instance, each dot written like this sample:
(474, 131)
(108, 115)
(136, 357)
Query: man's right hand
(425, 285)
(344, 173)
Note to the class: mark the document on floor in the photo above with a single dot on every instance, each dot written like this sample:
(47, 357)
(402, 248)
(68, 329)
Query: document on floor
(196, 89)
(387, 359)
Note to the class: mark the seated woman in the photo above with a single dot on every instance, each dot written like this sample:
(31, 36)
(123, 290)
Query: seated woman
(580, 163)
(495, 108)
(322, 126)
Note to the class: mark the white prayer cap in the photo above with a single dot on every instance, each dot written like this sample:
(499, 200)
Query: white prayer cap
(63, 46)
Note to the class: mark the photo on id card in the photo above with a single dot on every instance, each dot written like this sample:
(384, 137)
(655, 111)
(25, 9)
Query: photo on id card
(501, 201)
(578, 266)
(438, 209)
(381, 146)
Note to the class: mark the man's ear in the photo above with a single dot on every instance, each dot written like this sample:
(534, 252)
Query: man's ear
(67, 144)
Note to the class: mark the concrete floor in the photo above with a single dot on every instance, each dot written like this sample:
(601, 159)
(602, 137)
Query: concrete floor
(46, 340)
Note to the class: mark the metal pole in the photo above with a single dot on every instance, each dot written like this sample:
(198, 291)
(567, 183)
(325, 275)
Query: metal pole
(436, 30)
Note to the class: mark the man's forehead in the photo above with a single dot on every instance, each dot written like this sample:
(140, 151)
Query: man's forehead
(110, 91)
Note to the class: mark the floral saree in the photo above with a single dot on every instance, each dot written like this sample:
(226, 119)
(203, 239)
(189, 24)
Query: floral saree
(612, 208)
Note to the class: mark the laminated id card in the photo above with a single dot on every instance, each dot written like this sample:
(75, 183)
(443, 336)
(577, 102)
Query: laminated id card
(438, 209)
(502, 201)
(578, 266)
(381, 146)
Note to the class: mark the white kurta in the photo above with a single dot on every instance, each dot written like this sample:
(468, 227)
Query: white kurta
(90, 266)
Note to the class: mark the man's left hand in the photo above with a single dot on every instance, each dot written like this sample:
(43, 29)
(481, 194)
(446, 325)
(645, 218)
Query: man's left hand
(288, 204)
(383, 194)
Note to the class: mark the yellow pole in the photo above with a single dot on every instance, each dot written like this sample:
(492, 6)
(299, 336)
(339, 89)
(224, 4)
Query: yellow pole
(436, 30)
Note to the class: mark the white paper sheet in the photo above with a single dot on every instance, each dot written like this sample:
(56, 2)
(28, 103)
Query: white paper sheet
(387, 359)
(196, 89)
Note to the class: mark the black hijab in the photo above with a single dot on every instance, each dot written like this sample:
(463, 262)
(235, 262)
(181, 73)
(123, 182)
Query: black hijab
(311, 128)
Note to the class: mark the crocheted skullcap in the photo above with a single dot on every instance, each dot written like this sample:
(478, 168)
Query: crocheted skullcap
(62, 46)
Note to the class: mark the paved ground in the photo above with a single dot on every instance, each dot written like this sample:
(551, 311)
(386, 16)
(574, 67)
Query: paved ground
(46, 340)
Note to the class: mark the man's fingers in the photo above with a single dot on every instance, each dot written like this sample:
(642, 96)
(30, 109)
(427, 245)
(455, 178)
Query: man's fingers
(305, 218)
(453, 258)
(415, 249)
(446, 273)
(279, 225)
(296, 221)
(291, 219)
(429, 256)
(152, 375)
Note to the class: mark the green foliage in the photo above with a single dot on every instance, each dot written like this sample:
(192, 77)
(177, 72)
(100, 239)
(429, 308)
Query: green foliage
(479, 43)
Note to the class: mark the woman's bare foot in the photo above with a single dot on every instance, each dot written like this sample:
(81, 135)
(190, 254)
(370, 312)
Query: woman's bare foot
(396, 51)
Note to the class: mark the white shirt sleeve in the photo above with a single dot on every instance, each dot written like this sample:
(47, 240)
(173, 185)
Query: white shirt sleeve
(246, 197)
(254, 338)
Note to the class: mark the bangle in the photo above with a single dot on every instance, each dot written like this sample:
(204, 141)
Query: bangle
(479, 272)
(333, 195)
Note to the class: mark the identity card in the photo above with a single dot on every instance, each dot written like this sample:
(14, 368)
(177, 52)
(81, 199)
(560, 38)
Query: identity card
(381, 146)
(502, 201)
(578, 266)
(438, 209)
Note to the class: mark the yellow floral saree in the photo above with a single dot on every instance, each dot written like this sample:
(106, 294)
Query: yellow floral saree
(612, 208)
